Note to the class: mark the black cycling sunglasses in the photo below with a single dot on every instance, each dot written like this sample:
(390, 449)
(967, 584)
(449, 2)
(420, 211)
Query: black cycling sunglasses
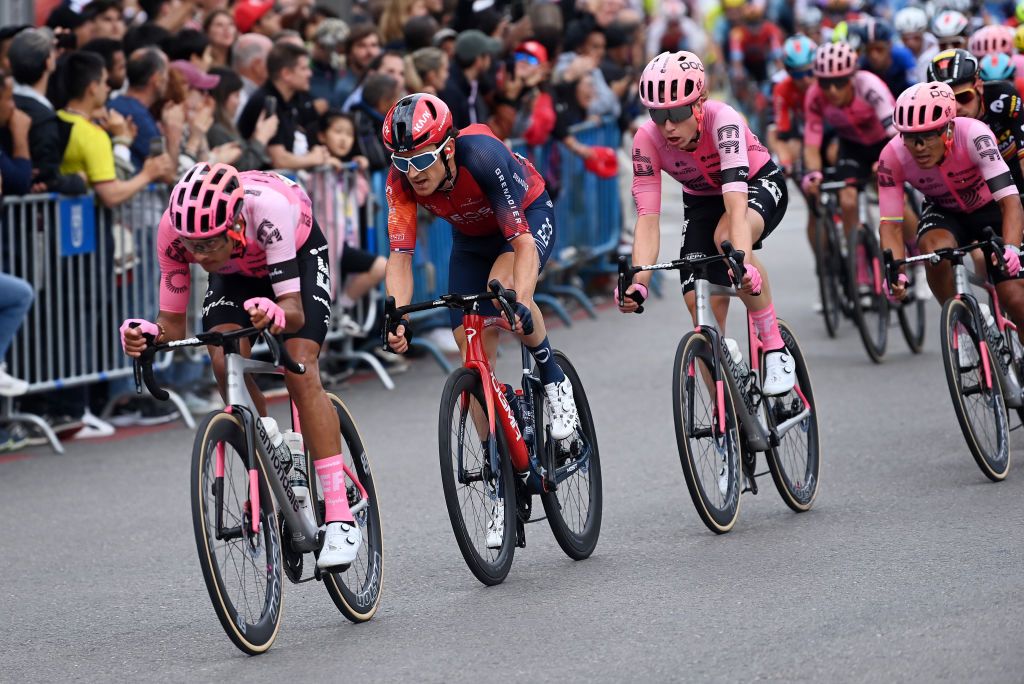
(923, 137)
(674, 114)
(800, 75)
(837, 83)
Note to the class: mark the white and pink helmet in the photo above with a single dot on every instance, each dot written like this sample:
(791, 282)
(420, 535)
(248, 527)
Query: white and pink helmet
(924, 107)
(672, 79)
(206, 201)
(991, 40)
(835, 60)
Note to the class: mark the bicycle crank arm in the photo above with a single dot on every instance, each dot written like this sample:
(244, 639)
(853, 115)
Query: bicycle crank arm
(363, 503)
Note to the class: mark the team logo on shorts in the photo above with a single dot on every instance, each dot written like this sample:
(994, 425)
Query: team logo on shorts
(772, 187)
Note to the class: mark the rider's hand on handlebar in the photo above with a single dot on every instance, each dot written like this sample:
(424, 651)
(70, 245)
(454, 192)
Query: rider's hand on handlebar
(811, 182)
(397, 340)
(1011, 257)
(524, 318)
(751, 280)
(132, 340)
(898, 290)
(635, 292)
(264, 312)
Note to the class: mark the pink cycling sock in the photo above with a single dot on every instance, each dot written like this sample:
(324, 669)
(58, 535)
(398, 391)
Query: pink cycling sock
(767, 327)
(331, 473)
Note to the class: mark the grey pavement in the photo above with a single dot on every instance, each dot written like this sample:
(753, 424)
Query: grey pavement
(907, 569)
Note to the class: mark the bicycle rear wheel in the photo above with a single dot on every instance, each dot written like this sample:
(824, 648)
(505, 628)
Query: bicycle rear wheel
(977, 401)
(356, 591)
(869, 303)
(796, 461)
(829, 263)
(708, 442)
(574, 509)
(243, 570)
(471, 485)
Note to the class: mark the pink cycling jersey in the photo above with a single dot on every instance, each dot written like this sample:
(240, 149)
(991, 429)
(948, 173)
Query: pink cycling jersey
(278, 219)
(971, 175)
(867, 119)
(727, 155)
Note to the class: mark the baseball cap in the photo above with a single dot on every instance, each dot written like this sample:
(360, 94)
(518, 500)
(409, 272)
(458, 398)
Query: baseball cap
(534, 49)
(443, 35)
(248, 12)
(330, 33)
(196, 77)
(473, 43)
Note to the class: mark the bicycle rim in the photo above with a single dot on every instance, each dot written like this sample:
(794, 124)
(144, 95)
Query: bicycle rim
(868, 301)
(911, 314)
(827, 259)
(243, 572)
(574, 510)
(471, 487)
(356, 591)
(795, 463)
(709, 446)
(980, 410)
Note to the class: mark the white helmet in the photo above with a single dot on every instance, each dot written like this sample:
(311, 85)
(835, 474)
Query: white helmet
(950, 24)
(911, 20)
(938, 6)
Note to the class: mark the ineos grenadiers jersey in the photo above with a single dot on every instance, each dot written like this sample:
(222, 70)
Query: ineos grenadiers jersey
(1004, 114)
(866, 120)
(727, 154)
(278, 219)
(971, 175)
(493, 188)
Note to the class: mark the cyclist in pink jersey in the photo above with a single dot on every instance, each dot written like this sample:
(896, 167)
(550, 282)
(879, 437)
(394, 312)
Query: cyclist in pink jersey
(731, 191)
(955, 163)
(858, 106)
(255, 234)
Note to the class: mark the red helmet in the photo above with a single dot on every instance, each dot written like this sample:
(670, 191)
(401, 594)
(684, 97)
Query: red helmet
(206, 201)
(416, 121)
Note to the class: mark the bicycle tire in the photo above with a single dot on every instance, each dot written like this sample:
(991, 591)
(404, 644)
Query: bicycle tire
(872, 320)
(826, 260)
(252, 637)
(357, 591)
(798, 486)
(913, 324)
(576, 544)
(462, 385)
(989, 443)
(1017, 359)
(687, 383)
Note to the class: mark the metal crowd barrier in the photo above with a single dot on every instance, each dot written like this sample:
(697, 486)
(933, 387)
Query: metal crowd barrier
(90, 268)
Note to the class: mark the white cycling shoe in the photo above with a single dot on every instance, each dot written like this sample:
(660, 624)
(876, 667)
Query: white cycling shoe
(560, 409)
(496, 526)
(341, 545)
(779, 372)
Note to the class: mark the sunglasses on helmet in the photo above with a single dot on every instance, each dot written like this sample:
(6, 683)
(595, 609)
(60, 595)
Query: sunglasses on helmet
(674, 114)
(420, 162)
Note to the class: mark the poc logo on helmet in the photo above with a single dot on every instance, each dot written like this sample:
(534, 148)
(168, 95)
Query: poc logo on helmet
(948, 94)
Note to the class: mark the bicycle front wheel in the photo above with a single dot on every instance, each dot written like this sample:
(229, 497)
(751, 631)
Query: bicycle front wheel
(479, 488)
(911, 313)
(706, 433)
(574, 509)
(829, 262)
(242, 568)
(975, 389)
(356, 591)
(867, 296)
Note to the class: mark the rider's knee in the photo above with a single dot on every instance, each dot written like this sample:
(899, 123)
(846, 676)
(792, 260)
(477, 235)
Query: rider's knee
(304, 384)
(848, 198)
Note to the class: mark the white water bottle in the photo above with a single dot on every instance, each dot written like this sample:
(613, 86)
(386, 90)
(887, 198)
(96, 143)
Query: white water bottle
(276, 441)
(298, 480)
(741, 370)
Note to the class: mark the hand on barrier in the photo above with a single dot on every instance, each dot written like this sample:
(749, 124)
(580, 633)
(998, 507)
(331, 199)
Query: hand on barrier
(751, 280)
(400, 336)
(898, 290)
(524, 319)
(811, 181)
(602, 162)
(1011, 257)
(132, 330)
(636, 295)
(264, 312)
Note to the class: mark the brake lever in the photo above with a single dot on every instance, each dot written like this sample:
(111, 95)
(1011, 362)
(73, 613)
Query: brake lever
(735, 258)
(280, 353)
(505, 298)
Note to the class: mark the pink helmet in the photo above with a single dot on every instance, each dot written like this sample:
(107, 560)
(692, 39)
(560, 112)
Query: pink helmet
(924, 107)
(834, 60)
(991, 40)
(205, 201)
(672, 79)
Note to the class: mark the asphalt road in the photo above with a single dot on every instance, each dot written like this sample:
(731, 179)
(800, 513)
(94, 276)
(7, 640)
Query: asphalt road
(907, 569)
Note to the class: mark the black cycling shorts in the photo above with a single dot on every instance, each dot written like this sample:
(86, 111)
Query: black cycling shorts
(355, 260)
(966, 228)
(855, 160)
(227, 293)
(472, 258)
(766, 194)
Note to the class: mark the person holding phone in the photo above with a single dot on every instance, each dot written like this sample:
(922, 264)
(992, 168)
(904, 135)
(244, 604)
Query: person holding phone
(226, 96)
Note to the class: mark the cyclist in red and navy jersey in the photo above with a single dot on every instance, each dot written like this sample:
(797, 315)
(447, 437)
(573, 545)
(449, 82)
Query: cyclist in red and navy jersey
(502, 228)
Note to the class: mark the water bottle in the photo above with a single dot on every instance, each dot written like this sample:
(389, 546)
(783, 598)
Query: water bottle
(513, 403)
(738, 364)
(298, 479)
(997, 343)
(527, 413)
(278, 451)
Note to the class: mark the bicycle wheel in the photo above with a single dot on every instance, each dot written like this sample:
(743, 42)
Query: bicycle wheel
(828, 262)
(471, 486)
(911, 312)
(356, 591)
(1017, 361)
(709, 444)
(243, 571)
(978, 404)
(868, 301)
(574, 509)
(796, 461)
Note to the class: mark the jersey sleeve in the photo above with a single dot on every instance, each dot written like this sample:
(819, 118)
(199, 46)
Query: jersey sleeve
(502, 180)
(730, 138)
(881, 100)
(401, 214)
(277, 233)
(780, 105)
(985, 154)
(890, 184)
(646, 174)
(175, 277)
(814, 125)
